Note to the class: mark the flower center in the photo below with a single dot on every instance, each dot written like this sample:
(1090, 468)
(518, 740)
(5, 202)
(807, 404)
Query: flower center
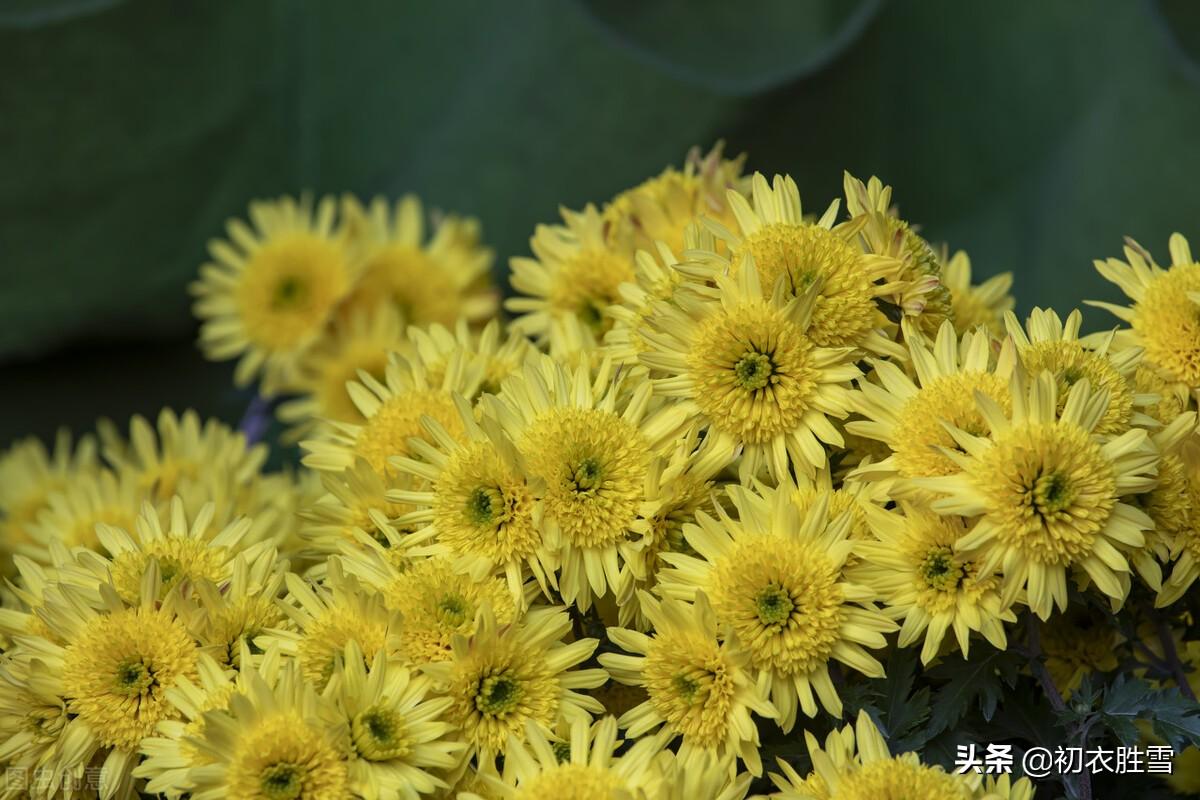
(586, 475)
(134, 677)
(498, 695)
(754, 371)
(452, 609)
(774, 605)
(483, 504)
(940, 570)
(289, 292)
(562, 752)
(378, 734)
(1052, 494)
(282, 781)
(685, 687)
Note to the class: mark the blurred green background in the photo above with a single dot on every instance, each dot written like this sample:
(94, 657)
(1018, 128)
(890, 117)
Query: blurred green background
(1034, 135)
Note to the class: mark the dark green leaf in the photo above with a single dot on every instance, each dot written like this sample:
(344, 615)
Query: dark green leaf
(977, 683)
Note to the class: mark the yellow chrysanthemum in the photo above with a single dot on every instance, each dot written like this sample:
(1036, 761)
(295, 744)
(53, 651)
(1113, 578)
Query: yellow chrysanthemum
(699, 688)
(29, 476)
(478, 503)
(1162, 318)
(437, 603)
(71, 515)
(915, 289)
(975, 305)
(170, 755)
(660, 209)
(362, 341)
(777, 583)
(1076, 643)
(34, 722)
(585, 767)
(1044, 491)
(574, 272)
(772, 237)
(355, 503)
(434, 281)
(186, 552)
(181, 456)
(1165, 399)
(1184, 545)
(657, 275)
(228, 616)
(271, 288)
(112, 671)
(328, 617)
(499, 352)
(857, 765)
(926, 583)
(586, 444)
(501, 679)
(1047, 343)
(399, 739)
(276, 739)
(909, 414)
(393, 410)
(678, 488)
(743, 369)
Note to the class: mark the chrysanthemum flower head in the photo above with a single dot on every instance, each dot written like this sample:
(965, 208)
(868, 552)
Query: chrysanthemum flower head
(277, 738)
(857, 765)
(181, 456)
(29, 476)
(227, 617)
(112, 670)
(699, 688)
(574, 272)
(392, 411)
(361, 341)
(1178, 498)
(914, 286)
(1044, 492)
(503, 678)
(908, 413)
(186, 551)
(1162, 317)
(355, 503)
(437, 603)
(271, 288)
(500, 352)
(437, 280)
(328, 617)
(777, 583)
(743, 368)
(924, 582)
(975, 305)
(1076, 643)
(661, 208)
(586, 441)
(585, 767)
(71, 515)
(477, 502)
(1047, 343)
(772, 236)
(399, 738)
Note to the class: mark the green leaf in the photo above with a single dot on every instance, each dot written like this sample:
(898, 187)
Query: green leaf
(775, 41)
(977, 683)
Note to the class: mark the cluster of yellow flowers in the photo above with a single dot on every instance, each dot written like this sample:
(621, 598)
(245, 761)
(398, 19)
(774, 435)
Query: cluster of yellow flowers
(721, 458)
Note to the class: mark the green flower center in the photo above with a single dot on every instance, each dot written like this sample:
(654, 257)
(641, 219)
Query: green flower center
(483, 505)
(282, 781)
(685, 686)
(498, 695)
(562, 752)
(453, 609)
(1052, 494)
(753, 371)
(378, 734)
(289, 293)
(134, 677)
(941, 571)
(774, 605)
(586, 475)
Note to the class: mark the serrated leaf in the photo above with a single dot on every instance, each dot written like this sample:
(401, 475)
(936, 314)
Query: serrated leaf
(1174, 717)
(978, 682)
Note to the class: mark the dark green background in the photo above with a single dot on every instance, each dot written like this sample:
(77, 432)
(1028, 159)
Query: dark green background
(1035, 135)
